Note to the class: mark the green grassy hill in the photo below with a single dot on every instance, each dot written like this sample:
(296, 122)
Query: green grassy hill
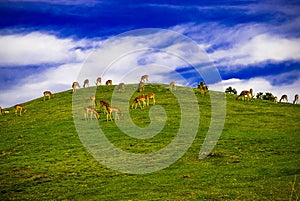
(256, 158)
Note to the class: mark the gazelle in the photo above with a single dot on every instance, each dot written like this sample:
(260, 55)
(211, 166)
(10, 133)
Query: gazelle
(116, 111)
(145, 78)
(108, 82)
(296, 99)
(86, 83)
(121, 86)
(99, 81)
(172, 86)
(92, 111)
(75, 85)
(20, 108)
(245, 93)
(203, 88)
(284, 97)
(103, 103)
(93, 99)
(141, 86)
(49, 94)
(107, 109)
(150, 96)
(137, 101)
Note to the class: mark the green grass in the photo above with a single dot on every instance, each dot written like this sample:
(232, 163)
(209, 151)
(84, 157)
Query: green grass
(256, 157)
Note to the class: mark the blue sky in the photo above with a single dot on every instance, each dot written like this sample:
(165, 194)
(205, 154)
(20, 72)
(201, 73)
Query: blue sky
(44, 44)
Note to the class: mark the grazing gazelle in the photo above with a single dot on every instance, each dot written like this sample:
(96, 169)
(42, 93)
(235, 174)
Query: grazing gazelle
(86, 83)
(172, 86)
(20, 108)
(203, 88)
(116, 111)
(137, 101)
(245, 93)
(107, 109)
(75, 85)
(145, 78)
(121, 86)
(92, 111)
(108, 82)
(141, 86)
(150, 96)
(49, 94)
(296, 99)
(103, 103)
(93, 99)
(99, 81)
(284, 97)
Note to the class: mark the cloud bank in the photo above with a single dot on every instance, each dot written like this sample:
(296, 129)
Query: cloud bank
(38, 48)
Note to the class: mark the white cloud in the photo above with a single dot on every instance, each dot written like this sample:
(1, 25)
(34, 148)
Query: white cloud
(245, 44)
(38, 48)
(147, 51)
(259, 49)
(55, 79)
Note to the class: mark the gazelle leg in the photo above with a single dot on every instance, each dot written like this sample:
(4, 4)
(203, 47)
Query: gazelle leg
(140, 105)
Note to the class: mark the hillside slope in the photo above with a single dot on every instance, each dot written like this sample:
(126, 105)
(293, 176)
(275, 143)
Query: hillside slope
(256, 157)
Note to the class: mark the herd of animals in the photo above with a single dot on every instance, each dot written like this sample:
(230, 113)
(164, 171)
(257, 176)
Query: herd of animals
(249, 95)
(141, 101)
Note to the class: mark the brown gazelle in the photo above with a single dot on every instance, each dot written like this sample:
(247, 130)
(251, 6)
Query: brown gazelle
(103, 103)
(245, 93)
(284, 97)
(92, 111)
(141, 86)
(75, 85)
(107, 109)
(121, 87)
(203, 88)
(86, 83)
(99, 81)
(116, 111)
(172, 86)
(19, 108)
(137, 101)
(47, 94)
(296, 99)
(150, 96)
(108, 82)
(145, 78)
